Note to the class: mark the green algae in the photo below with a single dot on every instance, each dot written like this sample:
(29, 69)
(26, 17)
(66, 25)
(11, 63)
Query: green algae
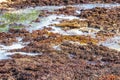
(17, 27)
(20, 17)
(3, 27)
(24, 17)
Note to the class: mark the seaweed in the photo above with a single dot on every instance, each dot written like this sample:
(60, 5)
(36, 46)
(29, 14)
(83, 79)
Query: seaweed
(21, 18)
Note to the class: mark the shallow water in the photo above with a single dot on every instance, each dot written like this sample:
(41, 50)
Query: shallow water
(90, 6)
(113, 43)
(46, 22)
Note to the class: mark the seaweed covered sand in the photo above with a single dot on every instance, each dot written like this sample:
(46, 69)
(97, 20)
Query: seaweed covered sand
(68, 42)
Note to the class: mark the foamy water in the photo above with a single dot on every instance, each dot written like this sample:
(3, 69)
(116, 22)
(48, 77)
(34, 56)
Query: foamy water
(113, 43)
